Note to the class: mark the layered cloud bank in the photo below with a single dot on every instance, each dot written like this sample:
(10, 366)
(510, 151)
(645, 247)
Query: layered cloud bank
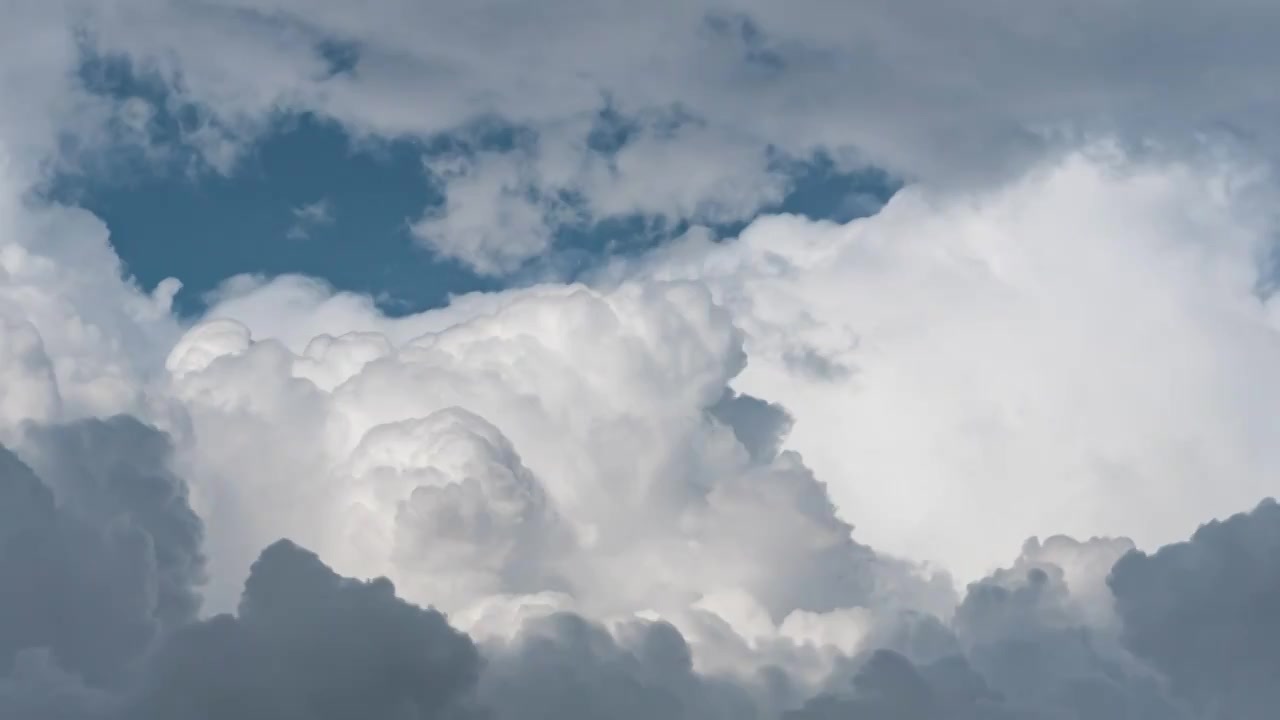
(951, 460)
(576, 111)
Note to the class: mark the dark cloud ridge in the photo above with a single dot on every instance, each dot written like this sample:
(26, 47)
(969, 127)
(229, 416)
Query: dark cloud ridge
(100, 564)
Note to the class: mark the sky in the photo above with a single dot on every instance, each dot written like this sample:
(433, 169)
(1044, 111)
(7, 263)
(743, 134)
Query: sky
(412, 359)
(307, 199)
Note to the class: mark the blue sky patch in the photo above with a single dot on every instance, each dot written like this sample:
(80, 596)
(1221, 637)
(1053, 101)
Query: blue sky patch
(307, 199)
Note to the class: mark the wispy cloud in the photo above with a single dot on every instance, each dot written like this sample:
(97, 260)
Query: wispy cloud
(309, 217)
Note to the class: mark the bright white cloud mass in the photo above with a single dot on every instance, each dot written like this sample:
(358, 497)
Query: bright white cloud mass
(1002, 449)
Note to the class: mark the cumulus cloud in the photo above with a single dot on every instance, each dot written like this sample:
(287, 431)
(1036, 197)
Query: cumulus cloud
(101, 559)
(888, 685)
(414, 484)
(562, 665)
(98, 622)
(638, 512)
(1074, 348)
(100, 555)
(483, 462)
(730, 478)
(306, 643)
(82, 342)
(1203, 612)
(494, 216)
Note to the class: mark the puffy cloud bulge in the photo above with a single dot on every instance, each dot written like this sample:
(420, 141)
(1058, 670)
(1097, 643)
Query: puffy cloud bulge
(786, 474)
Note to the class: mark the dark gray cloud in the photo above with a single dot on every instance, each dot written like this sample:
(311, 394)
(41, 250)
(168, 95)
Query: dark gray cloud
(1206, 613)
(1026, 642)
(890, 687)
(759, 425)
(99, 564)
(1020, 645)
(564, 666)
(307, 644)
(100, 556)
(37, 689)
(117, 471)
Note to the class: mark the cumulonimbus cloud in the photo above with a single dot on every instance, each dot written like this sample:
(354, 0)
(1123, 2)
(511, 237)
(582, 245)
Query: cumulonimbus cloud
(560, 463)
(785, 474)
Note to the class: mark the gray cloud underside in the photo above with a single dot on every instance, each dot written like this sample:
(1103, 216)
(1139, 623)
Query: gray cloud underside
(101, 562)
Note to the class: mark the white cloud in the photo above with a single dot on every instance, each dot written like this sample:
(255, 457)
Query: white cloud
(1072, 349)
(653, 493)
(1060, 354)
(308, 217)
(494, 217)
(86, 342)
(1066, 353)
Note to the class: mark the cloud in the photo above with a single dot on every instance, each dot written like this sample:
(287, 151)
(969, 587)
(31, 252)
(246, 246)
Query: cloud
(695, 110)
(1203, 612)
(562, 665)
(100, 553)
(889, 686)
(1072, 348)
(724, 479)
(309, 217)
(563, 486)
(101, 558)
(306, 643)
(1019, 632)
(668, 486)
(494, 216)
